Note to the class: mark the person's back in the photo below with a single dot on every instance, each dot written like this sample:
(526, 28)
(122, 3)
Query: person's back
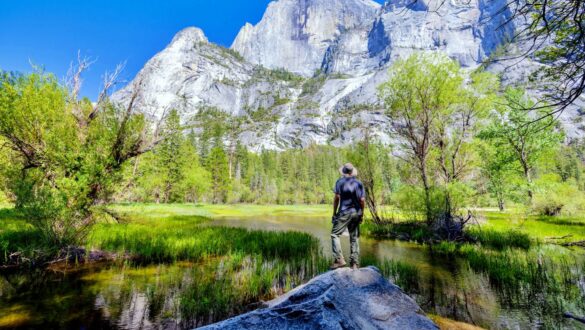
(350, 191)
(348, 210)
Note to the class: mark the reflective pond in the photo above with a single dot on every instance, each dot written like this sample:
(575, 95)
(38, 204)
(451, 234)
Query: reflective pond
(185, 295)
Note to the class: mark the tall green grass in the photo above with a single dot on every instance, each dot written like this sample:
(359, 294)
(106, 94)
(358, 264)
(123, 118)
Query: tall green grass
(500, 240)
(404, 275)
(19, 240)
(185, 238)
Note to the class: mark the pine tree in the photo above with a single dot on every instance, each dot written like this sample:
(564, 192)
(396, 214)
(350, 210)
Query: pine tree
(218, 167)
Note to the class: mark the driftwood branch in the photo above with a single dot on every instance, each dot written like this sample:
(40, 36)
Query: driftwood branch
(576, 318)
(577, 243)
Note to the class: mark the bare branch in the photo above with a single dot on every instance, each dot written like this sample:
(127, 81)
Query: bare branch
(74, 74)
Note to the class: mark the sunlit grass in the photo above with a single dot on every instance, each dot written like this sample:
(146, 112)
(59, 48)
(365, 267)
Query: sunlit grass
(183, 238)
(499, 240)
(18, 236)
(212, 210)
(541, 228)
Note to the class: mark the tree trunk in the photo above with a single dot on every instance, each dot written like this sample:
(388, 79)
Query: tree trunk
(427, 188)
(528, 181)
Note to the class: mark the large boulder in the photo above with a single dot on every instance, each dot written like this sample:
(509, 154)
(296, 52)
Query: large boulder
(340, 299)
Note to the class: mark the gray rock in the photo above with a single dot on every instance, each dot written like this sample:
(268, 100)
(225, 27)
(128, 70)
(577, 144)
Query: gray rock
(294, 34)
(340, 299)
(352, 41)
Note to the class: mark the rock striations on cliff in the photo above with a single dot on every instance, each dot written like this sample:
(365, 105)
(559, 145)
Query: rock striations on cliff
(340, 299)
(339, 52)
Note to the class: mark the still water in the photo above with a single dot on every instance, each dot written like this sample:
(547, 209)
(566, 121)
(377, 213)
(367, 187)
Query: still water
(128, 296)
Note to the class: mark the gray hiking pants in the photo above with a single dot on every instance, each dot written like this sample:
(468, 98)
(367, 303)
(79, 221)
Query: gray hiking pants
(351, 222)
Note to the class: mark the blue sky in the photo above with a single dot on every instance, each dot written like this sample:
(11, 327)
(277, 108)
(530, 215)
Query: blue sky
(49, 32)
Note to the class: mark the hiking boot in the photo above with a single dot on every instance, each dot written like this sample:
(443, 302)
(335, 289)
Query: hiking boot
(338, 264)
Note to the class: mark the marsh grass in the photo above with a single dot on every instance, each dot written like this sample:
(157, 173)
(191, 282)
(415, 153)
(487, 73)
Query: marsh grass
(203, 273)
(240, 285)
(184, 238)
(226, 210)
(19, 240)
(500, 240)
(401, 273)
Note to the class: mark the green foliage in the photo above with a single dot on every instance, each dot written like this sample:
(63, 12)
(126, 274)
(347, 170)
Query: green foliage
(554, 197)
(413, 201)
(275, 75)
(172, 171)
(312, 85)
(501, 174)
(68, 153)
(218, 167)
(435, 114)
(515, 134)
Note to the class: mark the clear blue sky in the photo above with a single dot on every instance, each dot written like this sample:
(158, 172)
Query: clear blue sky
(50, 32)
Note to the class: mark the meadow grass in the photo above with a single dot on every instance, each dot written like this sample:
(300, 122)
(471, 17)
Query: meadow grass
(223, 210)
(500, 240)
(537, 227)
(184, 238)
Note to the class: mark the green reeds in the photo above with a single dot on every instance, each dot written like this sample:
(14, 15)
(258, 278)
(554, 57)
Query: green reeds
(184, 238)
(500, 240)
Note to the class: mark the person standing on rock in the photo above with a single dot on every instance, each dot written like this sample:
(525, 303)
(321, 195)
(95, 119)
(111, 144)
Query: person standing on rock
(348, 212)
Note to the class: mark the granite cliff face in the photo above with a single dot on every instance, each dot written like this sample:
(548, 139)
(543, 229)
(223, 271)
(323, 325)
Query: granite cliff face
(295, 34)
(339, 50)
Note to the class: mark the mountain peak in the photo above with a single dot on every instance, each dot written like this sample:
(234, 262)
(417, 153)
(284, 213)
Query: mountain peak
(295, 34)
(188, 37)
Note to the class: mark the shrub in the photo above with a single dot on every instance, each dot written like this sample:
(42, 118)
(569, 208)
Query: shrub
(554, 197)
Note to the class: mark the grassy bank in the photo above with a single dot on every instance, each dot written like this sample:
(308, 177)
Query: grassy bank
(212, 210)
(494, 230)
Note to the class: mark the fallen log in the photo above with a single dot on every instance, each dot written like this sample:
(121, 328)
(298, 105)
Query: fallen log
(577, 243)
(560, 237)
(576, 318)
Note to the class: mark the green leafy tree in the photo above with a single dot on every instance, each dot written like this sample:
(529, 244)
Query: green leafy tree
(434, 114)
(514, 132)
(69, 153)
(499, 169)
